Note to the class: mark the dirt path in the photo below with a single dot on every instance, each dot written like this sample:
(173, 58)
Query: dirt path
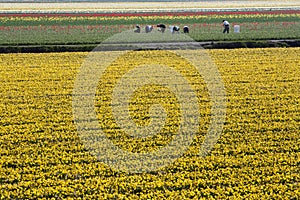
(150, 46)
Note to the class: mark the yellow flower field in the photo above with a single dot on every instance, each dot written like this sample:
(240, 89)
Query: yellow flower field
(256, 157)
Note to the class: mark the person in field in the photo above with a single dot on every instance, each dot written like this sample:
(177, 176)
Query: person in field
(186, 29)
(175, 29)
(138, 29)
(161, 27)
(226, 26)
(148, 28)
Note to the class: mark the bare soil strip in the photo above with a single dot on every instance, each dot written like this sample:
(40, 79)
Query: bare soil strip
(149, 46)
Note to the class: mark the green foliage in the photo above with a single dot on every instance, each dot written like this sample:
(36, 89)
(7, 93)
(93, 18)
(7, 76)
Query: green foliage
(94, 30)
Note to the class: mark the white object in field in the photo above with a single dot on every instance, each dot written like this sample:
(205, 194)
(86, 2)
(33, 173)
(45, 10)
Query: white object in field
(236, 28)
(171, 28)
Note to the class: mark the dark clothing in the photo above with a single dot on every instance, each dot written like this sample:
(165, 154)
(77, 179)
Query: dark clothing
(162, 27)
(186, 29)
(148, 29)
(226, 29)
(138, 29)
(176, 28)
(226, 26)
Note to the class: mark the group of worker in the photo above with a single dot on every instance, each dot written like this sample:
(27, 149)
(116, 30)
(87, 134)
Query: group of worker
(176, 29)
(161, 28)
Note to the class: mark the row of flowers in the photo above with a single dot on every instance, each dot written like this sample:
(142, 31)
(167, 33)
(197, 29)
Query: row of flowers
(110, 20)
(256, 157)
(144, 14)
(123, 17)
